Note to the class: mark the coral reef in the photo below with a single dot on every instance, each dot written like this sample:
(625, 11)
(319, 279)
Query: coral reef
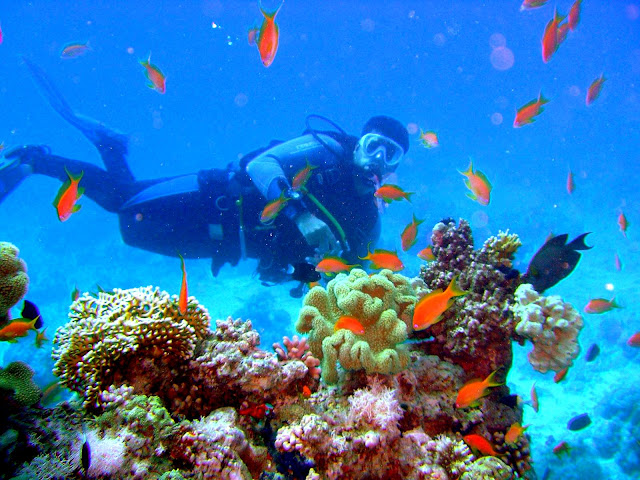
(17, 377)
(382, 302)
(552, 326)
(476, 331)
(13, 279)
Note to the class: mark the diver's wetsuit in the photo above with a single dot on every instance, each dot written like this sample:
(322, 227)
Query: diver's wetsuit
(207, 214)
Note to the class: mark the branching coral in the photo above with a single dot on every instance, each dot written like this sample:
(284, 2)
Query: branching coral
(551, 324)
(383, 303)
(107, 333)
(13, 279)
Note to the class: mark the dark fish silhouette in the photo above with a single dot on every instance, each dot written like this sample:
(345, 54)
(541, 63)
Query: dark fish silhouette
(579, 422)
(555, 260)
(303, 273)
(31, 312)
(592, 352)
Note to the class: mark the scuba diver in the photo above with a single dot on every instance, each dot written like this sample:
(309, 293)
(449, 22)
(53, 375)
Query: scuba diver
(216, 213)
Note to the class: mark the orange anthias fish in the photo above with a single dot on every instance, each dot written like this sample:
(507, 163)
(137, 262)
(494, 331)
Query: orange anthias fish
(427, 254)
(623, 224)
(384, 259)
(349, 323)
(301, 178)
(409, 235)
(530, 4)
(574, 15)
(256, 410)
(272, 209)
(560, 374)
(479, 185)
(560, 448)
(562, 33)
(429, 139)
(267, 37)
(535, 404)
(470, 394)
(74, 50)
(525, 114)
(184, 295)
(514, 432)
(389, 193)
(571, 186)
(481, 444)
(429, 309)
(550, 37)
(600, 305)
(634, 340)
(18, 328)
(332, 265)
(154, 75)
(68, 195)
(306, 391)
(594, 89)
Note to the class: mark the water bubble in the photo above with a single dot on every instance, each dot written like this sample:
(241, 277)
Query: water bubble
(439, 39)
(502, 58)
(574, 91)
(130, 50)
(412, 128)
(632, 11)
(368, 25)
(496, 118)
(241, 100)
(497, 40)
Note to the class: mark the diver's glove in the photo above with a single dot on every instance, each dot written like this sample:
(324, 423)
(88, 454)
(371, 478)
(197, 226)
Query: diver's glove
(317, 233)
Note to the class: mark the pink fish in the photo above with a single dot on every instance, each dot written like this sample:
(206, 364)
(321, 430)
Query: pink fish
(594, 89)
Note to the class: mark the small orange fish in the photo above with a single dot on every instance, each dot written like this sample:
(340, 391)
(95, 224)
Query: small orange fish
(389, 193)
(617, 263)
(40, 338)
(550, 37)
(600, 305)
(481, 444)
(574, 15)
(306, 392)
(514, 432)
(429, 139)
(570, 185)
(1, 35)
(384, 259)
(267, 37)
(75, 294)
(623, 224)
(68, 195)
(534, 398)
(349, 323)
(562, 33)
(73, 50)
(530, 4)
(272, 209)
(427, 254)
(332, 265)
(301, 178)
(559, 376)
(17, 328)
(560, 448)
(634, 340)
(154, 75)
(479, 185)
(526, 113)
(594, 89)
(409, 235)
(429, 309)
(184, 296)
(256, 410)
(470, 394)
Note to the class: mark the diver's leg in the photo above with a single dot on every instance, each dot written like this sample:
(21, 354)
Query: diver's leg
(111, 144)
(105, 188)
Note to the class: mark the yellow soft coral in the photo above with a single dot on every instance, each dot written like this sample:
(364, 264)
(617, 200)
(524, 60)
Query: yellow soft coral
(382, 302)
(13, 278)
(106, 331)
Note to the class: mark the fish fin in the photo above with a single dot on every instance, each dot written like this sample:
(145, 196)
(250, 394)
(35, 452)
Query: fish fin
(76, 208)
(558, 240)
(491, 382)
(578, 243)
(472, 196)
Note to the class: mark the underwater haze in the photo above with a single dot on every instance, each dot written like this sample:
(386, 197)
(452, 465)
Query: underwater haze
(460, 69)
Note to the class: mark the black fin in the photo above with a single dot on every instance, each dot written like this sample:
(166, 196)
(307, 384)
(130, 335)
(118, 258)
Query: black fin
(578, 242)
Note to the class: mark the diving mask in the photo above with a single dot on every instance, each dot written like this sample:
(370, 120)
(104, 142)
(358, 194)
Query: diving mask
(377, 149)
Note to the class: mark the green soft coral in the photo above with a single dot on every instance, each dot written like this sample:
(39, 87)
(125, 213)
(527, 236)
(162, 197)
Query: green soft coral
(13, 279)
(18, 377)
(382, 302)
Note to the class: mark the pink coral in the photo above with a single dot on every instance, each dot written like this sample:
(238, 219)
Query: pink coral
(297, 348)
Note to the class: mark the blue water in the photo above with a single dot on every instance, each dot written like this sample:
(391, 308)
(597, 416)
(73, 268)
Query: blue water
(425, 63)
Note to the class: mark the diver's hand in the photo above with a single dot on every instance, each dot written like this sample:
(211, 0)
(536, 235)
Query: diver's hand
(317, 233)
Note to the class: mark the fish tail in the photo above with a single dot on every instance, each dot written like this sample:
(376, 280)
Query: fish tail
(615, 304)
(490, 382)
(454, 289)
(469, 170)
(271, 14)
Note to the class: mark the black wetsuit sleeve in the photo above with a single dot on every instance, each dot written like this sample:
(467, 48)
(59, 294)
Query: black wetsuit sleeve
(271, 171)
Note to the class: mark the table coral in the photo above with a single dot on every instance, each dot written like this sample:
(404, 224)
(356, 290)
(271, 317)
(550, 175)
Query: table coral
(13, 279)
(108, 334)
(552, 326)
(382, 302)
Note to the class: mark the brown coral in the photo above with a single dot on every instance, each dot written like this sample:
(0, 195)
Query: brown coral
(13, 279)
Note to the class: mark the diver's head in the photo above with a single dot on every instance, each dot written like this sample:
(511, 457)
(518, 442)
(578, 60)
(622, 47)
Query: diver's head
(383, 142)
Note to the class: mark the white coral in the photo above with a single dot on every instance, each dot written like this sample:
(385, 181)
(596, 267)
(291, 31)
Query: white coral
(551, 324)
